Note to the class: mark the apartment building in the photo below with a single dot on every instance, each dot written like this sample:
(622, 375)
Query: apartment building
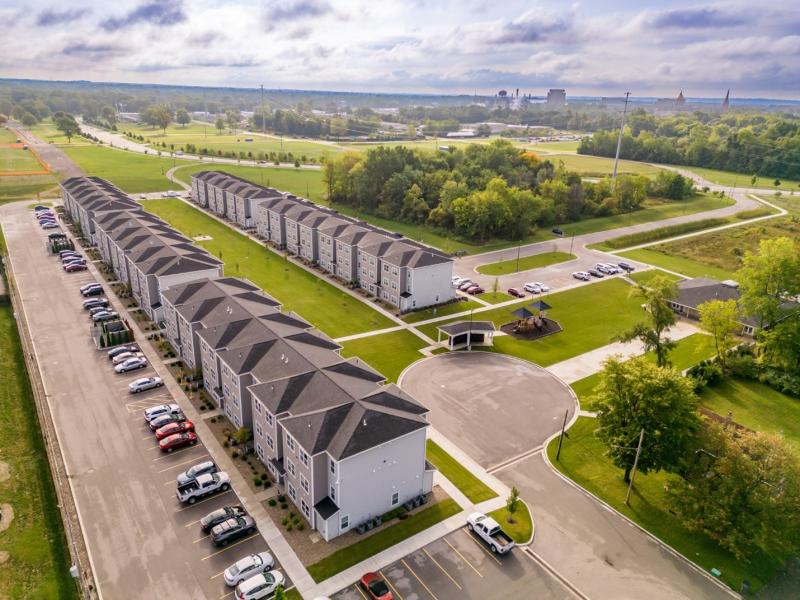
(229, 196)
(86, 198)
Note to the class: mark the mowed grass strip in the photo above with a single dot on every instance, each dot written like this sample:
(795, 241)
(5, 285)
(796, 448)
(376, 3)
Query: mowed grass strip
(21, 187)
(590, 316)
(729, 178)
(388, 353)
(495, 297)
(322, 304)
(525, 263)
(519, 525)
(441, 311)
(677, 264)
(369, 546)
(583, 460)
(16, 160)
(469, 485)
(645, 277)
(39, 563)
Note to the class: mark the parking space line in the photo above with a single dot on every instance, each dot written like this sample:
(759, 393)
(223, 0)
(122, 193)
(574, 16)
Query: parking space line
(180, 464)
(242, 541)
(410, 570)
(471, 566)
(194, 522)
(148, 437)
(389, 583)
(441, 568)
(202, 538)
(217, 575)
(226, 595)
(153, 447)
(357, 586)
(174, 452)
(199, 502)
(477, 543)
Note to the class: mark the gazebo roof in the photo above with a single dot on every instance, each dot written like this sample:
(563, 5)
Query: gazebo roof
(540, 305)
(523, 313)
(460, 327)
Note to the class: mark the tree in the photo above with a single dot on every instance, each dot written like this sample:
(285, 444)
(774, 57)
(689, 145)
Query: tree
(768, 278)
(742, 489)
(661, 317)
(162, 117)
(220, 125)
(777, 183)
(780, 346)
(483, 130)
(110, 115)
(182, 117)
(232, 117)
(242, 435)
(66, 124)
(721, 319)
(28, 119)
(338, 127)
(636, 395)
(279, 593)
(512, 503)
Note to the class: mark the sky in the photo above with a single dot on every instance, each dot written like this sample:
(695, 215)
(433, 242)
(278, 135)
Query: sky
(649, 47)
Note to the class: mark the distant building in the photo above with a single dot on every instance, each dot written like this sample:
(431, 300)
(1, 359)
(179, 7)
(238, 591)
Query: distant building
(680, 100)
(726, 103)
(556, 97)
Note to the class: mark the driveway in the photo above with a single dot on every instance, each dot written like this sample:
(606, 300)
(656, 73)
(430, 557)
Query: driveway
(495, 407)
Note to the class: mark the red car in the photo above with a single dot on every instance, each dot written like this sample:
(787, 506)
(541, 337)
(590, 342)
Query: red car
(173, 428)
(376, 587)
(74, 267)
(516, 293)
(177, 440)
(475, 290)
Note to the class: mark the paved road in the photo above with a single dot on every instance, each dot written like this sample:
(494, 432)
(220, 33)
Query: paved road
(50, 153)
(142, 543)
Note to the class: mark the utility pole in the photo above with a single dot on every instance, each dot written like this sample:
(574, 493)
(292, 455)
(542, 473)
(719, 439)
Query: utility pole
(263, 116)
(635, 464)
(619, 138)
(519, 247)
(561, 437)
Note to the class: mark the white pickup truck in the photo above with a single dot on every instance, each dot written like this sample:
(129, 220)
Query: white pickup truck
(490, 532)
(203, 485)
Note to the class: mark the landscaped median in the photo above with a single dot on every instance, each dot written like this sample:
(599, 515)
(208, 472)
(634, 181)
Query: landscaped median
(388, 353)
(369, 546)
(473, 488)
(525, 263)
(520, 525)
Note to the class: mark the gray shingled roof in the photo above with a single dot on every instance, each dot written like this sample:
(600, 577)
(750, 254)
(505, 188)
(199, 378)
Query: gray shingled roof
(460, 327)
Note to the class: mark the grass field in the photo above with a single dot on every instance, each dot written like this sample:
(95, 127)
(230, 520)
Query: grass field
(583, 460)
(521, 529)
(130, 171)
(525, 263)
(469, 485)
(20, 187)
(661, 233)
(688, 352)
(39, 561)
(743, 180)
(15, 159)
(757, 407)
(440, 311)
(369, 546)
(555, 147)
(325, 306)
(645, 277)
(7, 136)
(388, 353)
(301, 182)
(591, 316)
(46, 131)
(495, 297)
(599, 166)
(684, 266)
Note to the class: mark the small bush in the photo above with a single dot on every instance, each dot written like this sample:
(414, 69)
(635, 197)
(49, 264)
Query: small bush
(288, 527)
(284, 506)
(235, 454)
(284, 521)
(300, 527)
(281, 498)
(272, 502)
(267, 483)
(256, 481)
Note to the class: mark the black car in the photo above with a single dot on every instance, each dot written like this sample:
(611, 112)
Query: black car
(557, 231)
(166, 419)
(94, 302)
(595, 273)
(232, 529)
(93, 291)
(625, 267)
(220, 515)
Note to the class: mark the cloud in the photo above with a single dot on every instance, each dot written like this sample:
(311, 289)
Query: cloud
(161, 13)
(697, 18)
(93, 51)
(51, 16)
(277, 13)
(533, 26)
(205, 38)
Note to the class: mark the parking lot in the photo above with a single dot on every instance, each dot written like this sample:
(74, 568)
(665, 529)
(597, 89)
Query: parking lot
(143, 543)
(460, 566)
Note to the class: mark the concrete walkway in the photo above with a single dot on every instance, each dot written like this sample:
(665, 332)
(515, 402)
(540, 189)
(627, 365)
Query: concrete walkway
(591, 362)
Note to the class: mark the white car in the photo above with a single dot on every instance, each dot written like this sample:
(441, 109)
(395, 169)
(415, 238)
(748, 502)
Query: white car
(120, 358)
(582, 275)
(612, 268)
(131, 365)
(162, 409)
(541, 286)
(532, 287)
(465, 285)
(246, 567)
(259, 586)
(457, 281)
(144, 384)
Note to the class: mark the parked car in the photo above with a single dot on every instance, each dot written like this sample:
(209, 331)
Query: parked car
(72, 268)
(144, 384)
(626, 267)
(516, 293)
(203, 485)
(39, 207)
(215, 517)
(160, 410)
(490, 532)
(475, 290)
(95, 303)
(457, 281)
(49, 225)
(465, 285)
(557, 231)
(177, 441)
(121, 358)
(595, 273)
(612, 268)
(173, 428)
(91, 289)
(260, 586)
(541, 286)
(106, 315)
(582, 275)
(131, 365)
(120, 349)
(57, 235)
(376, 586)
(232, 529)
(532, 288)
(166, 419)
(204, 468)
(250, 565)
(73, 261)
(69, 254)
(95, 310)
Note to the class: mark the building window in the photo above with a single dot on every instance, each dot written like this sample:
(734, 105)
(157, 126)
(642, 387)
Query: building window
(386, 268)
(333, 468)
(395, 498)
(259, 432)
(304, 457)
(290, 442)
(304, 483)
(269, 418)
(290, 467)
(258, 407)
(292, 492)
(345, 522)
(304, 508)
(270, 443)
(333, 493)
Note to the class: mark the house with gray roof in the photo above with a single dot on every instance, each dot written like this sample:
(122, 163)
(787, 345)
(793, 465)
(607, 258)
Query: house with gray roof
(86, 198)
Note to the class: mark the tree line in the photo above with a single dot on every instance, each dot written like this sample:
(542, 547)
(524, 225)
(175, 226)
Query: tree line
(484, 191)
(765, 145)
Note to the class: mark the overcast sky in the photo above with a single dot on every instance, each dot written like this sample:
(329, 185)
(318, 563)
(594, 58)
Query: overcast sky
(651, 48)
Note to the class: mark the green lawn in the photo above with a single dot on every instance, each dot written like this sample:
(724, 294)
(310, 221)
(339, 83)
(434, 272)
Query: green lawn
(495, 297)
(583, 460)
(440, 311)
(130, 171)
(678, 264)
(522, 527)
(469, 485)
(688, 352)
(545, 147)
(388, 353)
(7, 136)
(20, 187)
(600, 166)
(301, 182)
(645, 277)
(590, 316)
(525, 263)
(371, 545)
(325, 306)
(39, 562)
(729, 178)
(17, 159)
(756, 406)
(46, 132)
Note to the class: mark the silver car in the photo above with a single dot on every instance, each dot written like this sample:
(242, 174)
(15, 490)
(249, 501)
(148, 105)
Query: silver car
(144, 384)
(247, 567)
(162, 409)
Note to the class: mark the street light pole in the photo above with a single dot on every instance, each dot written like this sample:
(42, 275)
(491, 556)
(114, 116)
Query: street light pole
(561, 437)
(635, 464)
(619, 138)
(519, 247)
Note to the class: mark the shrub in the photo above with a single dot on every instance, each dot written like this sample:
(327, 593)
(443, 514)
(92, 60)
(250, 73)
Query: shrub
(300, 527)
(284, 521)
(281, 498)
(742, 365)
(256, 481)
(272, 502)
(782, 381)
(706, 373)
(235, 454)
(284, 506)
(288, 527)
